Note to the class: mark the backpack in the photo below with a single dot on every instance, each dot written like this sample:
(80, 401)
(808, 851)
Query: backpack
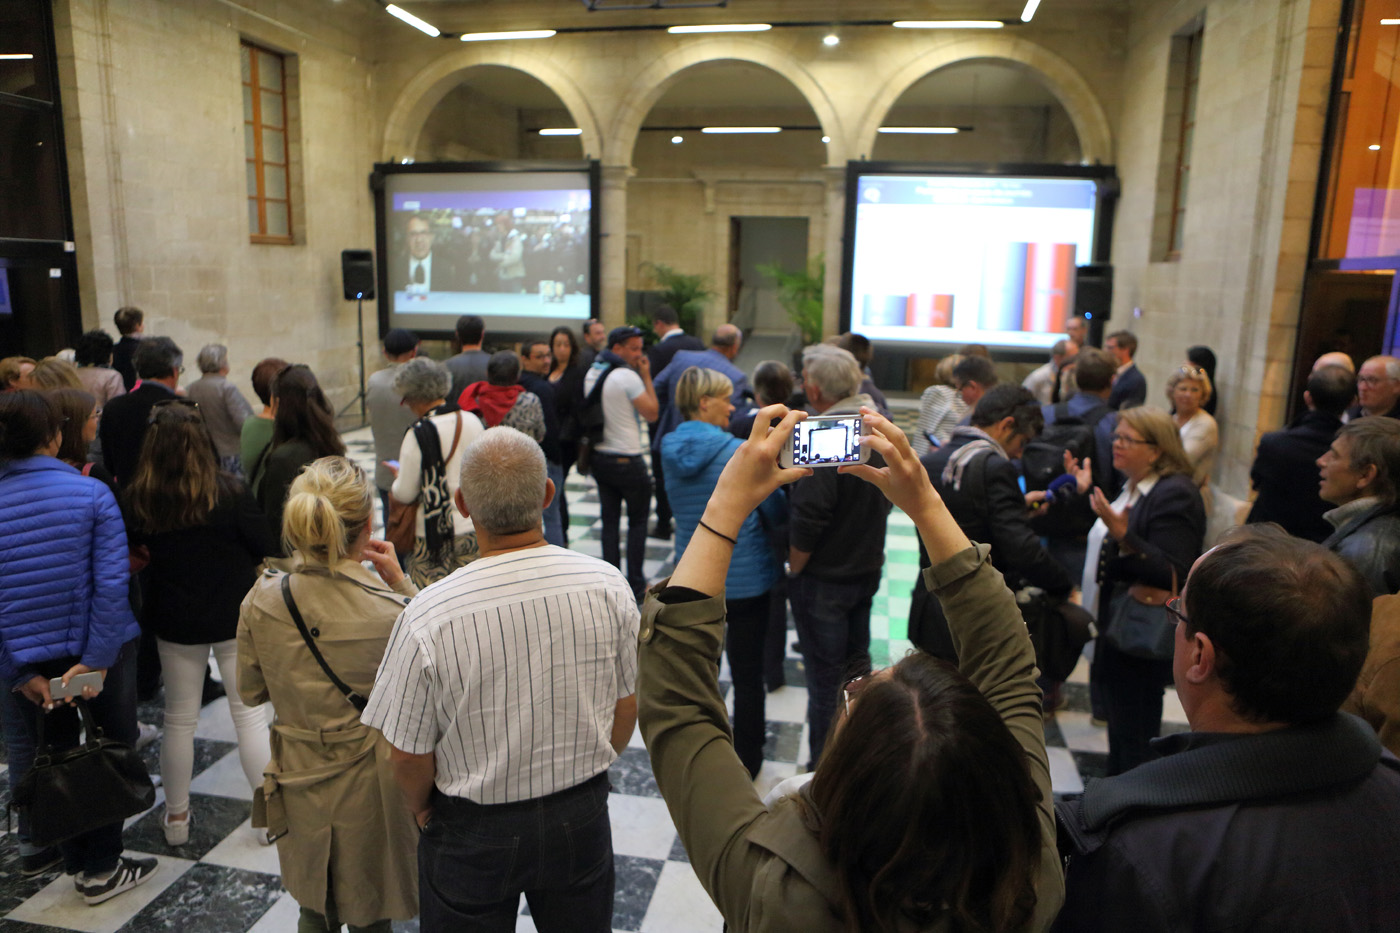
(1044, 459)
(590, 422)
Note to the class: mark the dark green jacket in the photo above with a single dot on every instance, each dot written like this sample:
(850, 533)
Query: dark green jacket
(765, 870)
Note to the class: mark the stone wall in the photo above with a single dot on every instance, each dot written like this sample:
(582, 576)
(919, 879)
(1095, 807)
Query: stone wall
(154, 127)
(1237, 285)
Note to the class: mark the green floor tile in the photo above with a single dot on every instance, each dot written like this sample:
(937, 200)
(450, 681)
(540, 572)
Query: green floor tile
(902, 556)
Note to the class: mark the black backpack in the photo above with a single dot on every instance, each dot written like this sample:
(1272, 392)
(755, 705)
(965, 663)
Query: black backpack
(590, 422)
(1044, 459)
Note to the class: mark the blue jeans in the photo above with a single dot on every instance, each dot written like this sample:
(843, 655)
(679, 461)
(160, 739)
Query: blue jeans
(553, 522)
(475, 860)
(624, 479)
(114, 709)
(833, 623)
(19, 753)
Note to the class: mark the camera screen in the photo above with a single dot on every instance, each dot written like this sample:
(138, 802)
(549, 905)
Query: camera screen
(818, 441)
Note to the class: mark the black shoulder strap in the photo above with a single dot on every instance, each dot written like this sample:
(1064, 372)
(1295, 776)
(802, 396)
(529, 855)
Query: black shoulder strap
(596, 392)
(1061, 411)
(351, 696)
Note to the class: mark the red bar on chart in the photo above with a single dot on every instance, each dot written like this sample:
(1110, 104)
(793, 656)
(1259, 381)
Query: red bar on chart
(925, 310)
(1049, 287)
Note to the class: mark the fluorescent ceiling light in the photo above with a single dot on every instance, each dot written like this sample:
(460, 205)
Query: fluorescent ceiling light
(949, 24)
(725, 27)
(920, 130)
(741, 129)
(517, 34)
(1374, 147)
(1390, 22)
(1029, 11)
(562, 131)
(16, 56)
(826, 139)
(415, 22)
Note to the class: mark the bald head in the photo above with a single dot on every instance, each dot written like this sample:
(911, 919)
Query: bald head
(1335, 358)
(727, 340)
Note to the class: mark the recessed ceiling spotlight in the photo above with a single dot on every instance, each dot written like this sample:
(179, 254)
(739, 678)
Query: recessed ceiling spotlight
(826, 139)
(1374, 147)
(832, 39)
(677, 139)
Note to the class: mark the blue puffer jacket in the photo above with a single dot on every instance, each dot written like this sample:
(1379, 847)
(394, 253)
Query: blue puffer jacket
(692, 457)
(63, 569)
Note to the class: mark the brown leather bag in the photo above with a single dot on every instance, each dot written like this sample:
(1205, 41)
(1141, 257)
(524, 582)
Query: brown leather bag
(401, 529)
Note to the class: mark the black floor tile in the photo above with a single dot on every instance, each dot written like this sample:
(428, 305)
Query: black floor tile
(636, 883)
(214, 818)
(208, 899)
(631, 774)
(206, 753)
(1090, 764)
(678, 853)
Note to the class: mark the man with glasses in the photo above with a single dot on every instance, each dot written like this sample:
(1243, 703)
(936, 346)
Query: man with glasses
(1275, 811)
(595, 339)
(421, 270)
(1377, 389)
(158, 363)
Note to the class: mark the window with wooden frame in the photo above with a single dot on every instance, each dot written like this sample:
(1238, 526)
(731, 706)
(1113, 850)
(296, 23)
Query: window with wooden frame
(265, 145)
(1178, 134)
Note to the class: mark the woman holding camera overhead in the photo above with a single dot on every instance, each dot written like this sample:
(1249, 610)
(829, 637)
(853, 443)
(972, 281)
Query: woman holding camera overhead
(694, 455)
(63, 583)
(345, 837)
(206, 537)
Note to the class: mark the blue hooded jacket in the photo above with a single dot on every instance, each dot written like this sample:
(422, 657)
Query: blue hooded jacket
(63, 569)
(692, 457)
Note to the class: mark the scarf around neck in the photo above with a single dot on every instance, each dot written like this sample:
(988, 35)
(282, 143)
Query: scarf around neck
(438, 529)
(981, 442)
(491, 402)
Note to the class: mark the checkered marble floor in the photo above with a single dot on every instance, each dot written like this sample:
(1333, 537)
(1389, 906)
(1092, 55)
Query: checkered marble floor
(224, 882)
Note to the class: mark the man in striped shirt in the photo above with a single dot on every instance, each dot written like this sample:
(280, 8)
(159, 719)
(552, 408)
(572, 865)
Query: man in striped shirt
(507, 690)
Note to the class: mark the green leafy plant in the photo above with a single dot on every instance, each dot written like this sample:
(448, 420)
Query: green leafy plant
(688, 294)
(800, 294)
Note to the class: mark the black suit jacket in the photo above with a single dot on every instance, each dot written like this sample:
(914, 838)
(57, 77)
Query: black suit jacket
(121, 360)
(660, 353)
(123, 428)
(1129, 389)
(1285, 476)
(1165, 532)
(446, 276)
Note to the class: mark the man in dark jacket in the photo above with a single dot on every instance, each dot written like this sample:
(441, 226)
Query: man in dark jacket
(836, 548)
(1285, 468)
(158, 363)
(534, 377)
(131, 322)
(1359, 474)
(1129, 386)
(1275, 811)
(975, 475)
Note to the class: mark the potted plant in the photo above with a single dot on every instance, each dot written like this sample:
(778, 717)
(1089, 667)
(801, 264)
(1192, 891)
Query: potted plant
(687, 294)
(800, 294)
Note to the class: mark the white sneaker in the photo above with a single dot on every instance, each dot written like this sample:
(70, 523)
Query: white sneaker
(147, 734)
(177, 832)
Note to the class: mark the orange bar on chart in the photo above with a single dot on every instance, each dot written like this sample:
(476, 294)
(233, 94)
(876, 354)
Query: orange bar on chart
(1049, 287)
(926, 310)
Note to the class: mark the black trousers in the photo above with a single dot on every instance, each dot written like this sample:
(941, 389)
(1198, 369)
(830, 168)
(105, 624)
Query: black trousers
(624, 479)
(745, 634)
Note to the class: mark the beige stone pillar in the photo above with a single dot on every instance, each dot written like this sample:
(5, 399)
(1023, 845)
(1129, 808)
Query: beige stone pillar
(835, 241)
(612, 261)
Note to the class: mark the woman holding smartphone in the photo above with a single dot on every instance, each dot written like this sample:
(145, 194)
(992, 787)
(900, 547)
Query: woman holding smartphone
(345, 836)
(931, 806)
(63, 583)
(206, 537)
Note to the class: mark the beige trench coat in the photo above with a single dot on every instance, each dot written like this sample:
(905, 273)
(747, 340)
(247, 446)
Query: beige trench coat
(330, 786)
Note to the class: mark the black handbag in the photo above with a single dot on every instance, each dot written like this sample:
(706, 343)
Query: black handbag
(1059, 631)
(1138, 623)
(76, 790)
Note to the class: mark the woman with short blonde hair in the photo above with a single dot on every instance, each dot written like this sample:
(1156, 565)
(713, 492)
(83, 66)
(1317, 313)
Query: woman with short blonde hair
(697, 383)
(346, 840)
(1188, 390)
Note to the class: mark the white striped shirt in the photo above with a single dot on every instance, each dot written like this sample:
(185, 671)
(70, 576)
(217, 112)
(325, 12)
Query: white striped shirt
(509, 671)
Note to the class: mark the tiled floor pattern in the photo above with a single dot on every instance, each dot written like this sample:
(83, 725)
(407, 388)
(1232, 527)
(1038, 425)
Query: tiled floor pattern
(224, 882)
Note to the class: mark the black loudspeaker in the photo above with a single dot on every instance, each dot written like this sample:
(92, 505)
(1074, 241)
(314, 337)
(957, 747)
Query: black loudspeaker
(1093, 298)
(357, 273)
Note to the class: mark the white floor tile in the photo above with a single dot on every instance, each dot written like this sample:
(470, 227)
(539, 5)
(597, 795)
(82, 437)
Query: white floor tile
(59, 905)
(224, 778)
(1064, 774)
(787, 704)
(641, 826)
(1171, 707)
(280, 917)
(1080, 735)
(680, 905)
(240, 849)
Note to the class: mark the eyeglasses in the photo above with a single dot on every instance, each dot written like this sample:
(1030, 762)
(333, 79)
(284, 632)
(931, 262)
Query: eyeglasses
(172, 404)
(853, 688)
(1173, 606)
(1131, 441)
(1371, 380)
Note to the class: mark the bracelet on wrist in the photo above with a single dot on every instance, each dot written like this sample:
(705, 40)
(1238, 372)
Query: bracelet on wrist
(718, 534)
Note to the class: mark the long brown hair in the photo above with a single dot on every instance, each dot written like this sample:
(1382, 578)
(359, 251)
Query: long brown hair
(76, 406)
(177, 481)
(927, 807)
(303, 414)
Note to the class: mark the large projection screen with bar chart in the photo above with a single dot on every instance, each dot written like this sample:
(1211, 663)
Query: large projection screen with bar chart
(950, 256)
(515, 243)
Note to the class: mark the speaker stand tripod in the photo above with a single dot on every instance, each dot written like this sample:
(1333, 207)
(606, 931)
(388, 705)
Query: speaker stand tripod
(360, 356)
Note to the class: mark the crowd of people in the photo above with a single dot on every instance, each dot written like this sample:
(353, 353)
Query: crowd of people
(445, 703)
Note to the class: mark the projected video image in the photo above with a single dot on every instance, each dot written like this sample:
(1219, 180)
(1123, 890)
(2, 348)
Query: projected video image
(815, 442)
(969, 259)
(518, 253)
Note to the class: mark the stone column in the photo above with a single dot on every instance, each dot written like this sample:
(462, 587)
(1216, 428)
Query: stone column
(612, 261)
(835, 242)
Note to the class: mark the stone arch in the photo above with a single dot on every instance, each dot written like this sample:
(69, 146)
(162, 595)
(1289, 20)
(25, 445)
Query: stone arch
(1075, 95)
(425, 90)
(651, 84)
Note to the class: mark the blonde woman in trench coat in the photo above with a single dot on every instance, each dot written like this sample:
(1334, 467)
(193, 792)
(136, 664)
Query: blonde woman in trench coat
(344, 835)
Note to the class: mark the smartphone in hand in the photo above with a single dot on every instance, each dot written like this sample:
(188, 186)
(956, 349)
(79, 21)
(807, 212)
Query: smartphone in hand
(75, 686)
(826, 441)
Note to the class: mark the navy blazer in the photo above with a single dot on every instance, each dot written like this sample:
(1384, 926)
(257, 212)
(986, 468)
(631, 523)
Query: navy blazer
(1166, 529)
(1129, 389)
(1285, 475)
(123, 428)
